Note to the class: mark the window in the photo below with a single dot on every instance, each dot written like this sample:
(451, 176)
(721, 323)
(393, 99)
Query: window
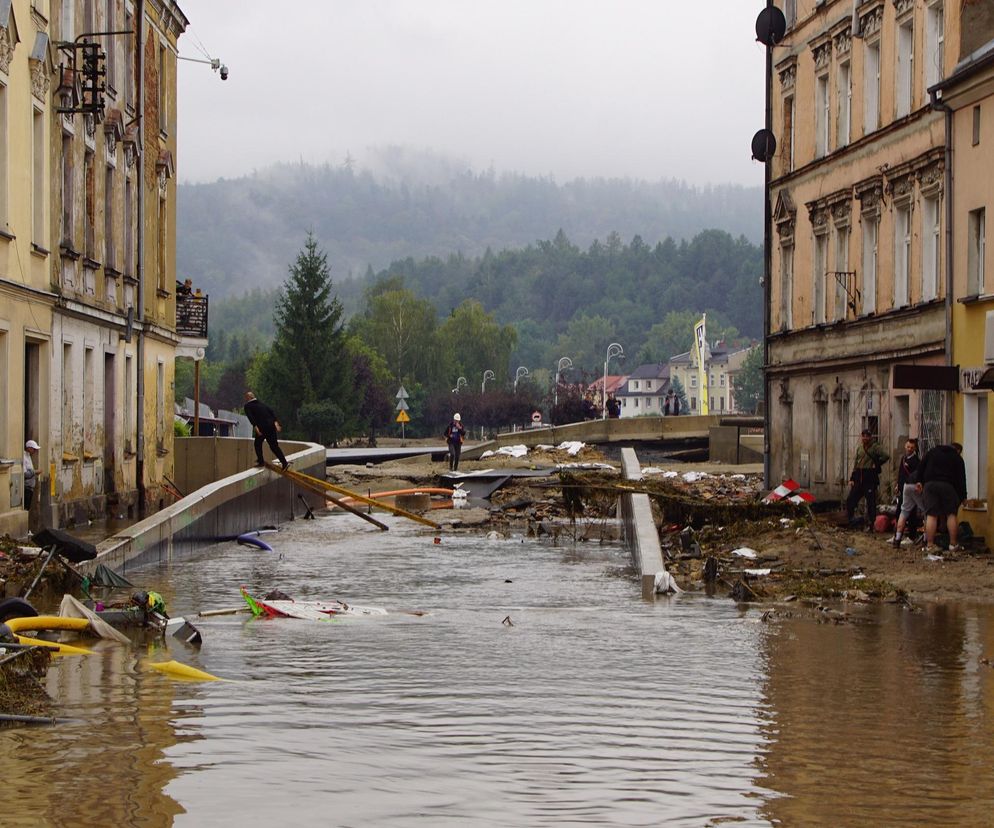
(975, 451)
(129, 232)
(902, 255)
(820, 266)
(841, 266)
(68, 19)
(90, 205)
(787, 150)
(88, 401)
(163, 120)
(129, 394)
(67, 393)
(110, 44)
(3, 389)
(871, 87)
(821, 439)
(976, 252)
(635, 385)
(934, 47)
(3, 157)
(721, 380)
(931, 248)
(161, 253)
(693, 403)
(786, 287)
(821, 116)
(976, 125)
(790, 12)
(38, 179)
(67, 191)
(871, 225)
(905, 73)
(160, 403)
(109, 217)
(129, 68)
(693, 380)
(845, 103)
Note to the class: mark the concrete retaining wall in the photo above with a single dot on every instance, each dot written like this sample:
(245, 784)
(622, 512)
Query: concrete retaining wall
(624, 429)
(641, 536)
(241, 497)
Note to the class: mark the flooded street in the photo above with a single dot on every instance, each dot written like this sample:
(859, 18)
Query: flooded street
(587, 706)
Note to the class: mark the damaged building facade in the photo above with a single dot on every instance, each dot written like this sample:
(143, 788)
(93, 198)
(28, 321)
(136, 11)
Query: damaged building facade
(859, 299)
(88, 101)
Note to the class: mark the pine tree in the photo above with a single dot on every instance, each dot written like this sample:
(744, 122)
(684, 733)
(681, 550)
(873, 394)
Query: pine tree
(308, 362)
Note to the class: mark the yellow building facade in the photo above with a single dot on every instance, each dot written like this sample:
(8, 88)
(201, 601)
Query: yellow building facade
(859, 297)
(87, 256)
(968, 95)
(26, 297)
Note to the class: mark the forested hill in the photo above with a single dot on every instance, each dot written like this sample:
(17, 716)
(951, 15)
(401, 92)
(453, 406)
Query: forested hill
(238, 234)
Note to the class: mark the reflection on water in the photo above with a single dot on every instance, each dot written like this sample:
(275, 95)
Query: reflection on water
(589, 707)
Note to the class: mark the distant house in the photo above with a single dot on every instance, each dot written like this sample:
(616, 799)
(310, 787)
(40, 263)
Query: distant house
(645, 390)
(721, 367)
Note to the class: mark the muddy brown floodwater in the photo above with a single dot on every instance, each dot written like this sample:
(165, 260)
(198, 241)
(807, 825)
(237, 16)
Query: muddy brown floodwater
(537, 690)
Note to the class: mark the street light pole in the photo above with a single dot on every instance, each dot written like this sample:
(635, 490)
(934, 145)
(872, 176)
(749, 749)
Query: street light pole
(565, 363)
(460, 383)
(488, 374)
(521, 372)
(614, 349)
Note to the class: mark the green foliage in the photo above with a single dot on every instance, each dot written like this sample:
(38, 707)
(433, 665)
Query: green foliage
(181, 428)
(400, 327)
(323, 421)
(748, 384)
(308, 361)
(470, 342)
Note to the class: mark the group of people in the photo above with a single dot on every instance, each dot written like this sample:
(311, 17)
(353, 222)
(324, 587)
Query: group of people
(932, 487)
(589, 408)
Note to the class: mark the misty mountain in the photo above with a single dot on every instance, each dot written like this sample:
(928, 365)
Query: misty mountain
(238, 234)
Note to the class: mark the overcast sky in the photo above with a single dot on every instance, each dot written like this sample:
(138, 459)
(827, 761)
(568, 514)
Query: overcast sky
(568, 88)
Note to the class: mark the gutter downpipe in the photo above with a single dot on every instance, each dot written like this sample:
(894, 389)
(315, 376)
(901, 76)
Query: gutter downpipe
(937, 104)
(140, 265)
(767, 253)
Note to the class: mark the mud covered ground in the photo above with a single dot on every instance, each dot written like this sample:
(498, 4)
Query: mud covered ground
(807, 554)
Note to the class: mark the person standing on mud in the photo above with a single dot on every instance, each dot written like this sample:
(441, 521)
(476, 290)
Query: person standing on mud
(30, 473)
(865, 477)
(908, 499)
(942, 481)
(455, 433)
(266, 427)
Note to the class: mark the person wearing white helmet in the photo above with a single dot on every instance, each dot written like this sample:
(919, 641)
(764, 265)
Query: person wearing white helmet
(30, 474)
(455, 433)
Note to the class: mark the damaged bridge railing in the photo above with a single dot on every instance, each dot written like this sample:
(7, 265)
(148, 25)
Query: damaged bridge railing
(641, 536)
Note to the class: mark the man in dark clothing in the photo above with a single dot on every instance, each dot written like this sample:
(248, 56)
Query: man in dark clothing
(613, 407)
(266, 427)
(454, 434)
(865, 478)
(588, 408)
(942, 480)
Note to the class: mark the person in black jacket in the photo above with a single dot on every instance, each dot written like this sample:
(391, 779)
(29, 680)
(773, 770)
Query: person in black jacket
(942, 480)
(266, 427)
(908, 500)
(455, 433)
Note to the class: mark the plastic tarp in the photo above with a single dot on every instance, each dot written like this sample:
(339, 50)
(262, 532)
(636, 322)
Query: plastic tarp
(104, 576)
(71, 608)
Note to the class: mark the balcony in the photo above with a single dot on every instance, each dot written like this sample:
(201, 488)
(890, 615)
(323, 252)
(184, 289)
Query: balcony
(191, 316)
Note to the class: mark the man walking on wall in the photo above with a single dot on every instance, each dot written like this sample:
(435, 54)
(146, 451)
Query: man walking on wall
(266, 428)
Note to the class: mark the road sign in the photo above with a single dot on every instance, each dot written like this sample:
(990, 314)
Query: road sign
(402, 393)
(402, 406)
(403, 417)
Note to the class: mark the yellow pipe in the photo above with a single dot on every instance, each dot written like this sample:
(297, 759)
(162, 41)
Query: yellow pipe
(177, 670)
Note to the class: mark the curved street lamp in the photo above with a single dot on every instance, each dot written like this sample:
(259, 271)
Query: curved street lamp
(614, 349)
(521, 372)
(565, 363)
(460, 383)
(488, 374)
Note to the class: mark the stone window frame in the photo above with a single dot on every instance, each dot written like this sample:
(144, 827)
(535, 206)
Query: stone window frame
(821, 55)
(900, 186)
(818, 215)
(842, 54)
(839, 206)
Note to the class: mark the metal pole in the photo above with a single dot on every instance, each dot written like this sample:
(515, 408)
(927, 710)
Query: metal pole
(196, 398)
(139, 265)
(767, 253)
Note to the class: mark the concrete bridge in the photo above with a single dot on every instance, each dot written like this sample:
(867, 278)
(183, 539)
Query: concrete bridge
(680, 429)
